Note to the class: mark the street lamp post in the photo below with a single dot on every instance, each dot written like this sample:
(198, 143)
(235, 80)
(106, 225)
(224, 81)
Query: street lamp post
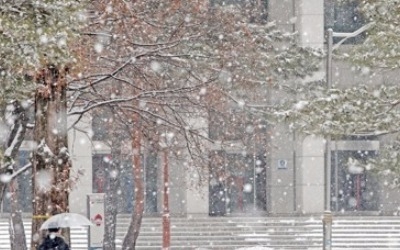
(327, 217)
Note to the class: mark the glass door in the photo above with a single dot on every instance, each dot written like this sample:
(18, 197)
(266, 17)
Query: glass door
(237, 184)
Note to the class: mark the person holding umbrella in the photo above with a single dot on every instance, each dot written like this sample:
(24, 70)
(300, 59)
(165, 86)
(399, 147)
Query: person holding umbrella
(53, 225)
(53, 240)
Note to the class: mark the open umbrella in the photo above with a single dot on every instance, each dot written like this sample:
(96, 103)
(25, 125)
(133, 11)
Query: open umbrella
(64, 220)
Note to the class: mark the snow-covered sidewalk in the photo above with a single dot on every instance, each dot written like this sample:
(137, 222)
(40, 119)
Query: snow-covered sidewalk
(254, 248)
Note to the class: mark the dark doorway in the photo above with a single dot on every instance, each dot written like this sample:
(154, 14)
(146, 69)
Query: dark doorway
(101, 175)
(353, 188)
(237, 184)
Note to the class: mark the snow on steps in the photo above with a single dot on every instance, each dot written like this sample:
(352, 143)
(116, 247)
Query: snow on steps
(274, 232)
(211, 233)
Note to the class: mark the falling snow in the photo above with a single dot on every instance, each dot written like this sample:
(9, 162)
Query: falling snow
(219, 116)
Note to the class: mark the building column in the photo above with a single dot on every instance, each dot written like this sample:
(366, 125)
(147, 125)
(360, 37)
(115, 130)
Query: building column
(310, 157)
(311, 175)
(281, 193)
(197, 193)
(197, 201)
(80, 149)
(310, 22)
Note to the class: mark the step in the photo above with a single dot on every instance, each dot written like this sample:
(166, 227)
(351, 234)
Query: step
(231, 233)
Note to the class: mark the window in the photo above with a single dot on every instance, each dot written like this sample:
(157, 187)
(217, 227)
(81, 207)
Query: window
(234, 124)
(102, 170)
(344, 16)
(101, 125)
(227, 125)
(237, 183)
(101, 180)
(353, 188)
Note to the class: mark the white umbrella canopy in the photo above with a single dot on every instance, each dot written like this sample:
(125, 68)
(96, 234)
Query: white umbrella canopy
(65, 220)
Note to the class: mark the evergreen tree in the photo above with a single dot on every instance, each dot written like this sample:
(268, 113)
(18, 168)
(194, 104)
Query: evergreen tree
(363, 110)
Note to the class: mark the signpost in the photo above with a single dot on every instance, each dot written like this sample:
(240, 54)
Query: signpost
(95, 203)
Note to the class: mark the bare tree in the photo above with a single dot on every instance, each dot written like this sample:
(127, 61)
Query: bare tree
(17, 116)
(136, 219)
(175, 57)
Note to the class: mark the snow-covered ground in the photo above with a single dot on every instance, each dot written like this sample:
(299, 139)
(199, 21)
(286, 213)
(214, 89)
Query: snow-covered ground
(244, 248)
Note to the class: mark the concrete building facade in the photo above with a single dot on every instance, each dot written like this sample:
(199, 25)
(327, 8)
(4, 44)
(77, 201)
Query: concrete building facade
(286, 177)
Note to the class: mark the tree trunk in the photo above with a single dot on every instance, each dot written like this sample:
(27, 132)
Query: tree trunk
(51, 163)
(38, 165)
(111, 195)
(166, 223)
(111, 210)
(137, 215)
(17, 232)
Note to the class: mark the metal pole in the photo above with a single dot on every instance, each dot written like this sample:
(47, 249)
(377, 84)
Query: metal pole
(327, 218)
(294, 173)
(327, 230)
(254, 177)
(329, 58)
(336, 178)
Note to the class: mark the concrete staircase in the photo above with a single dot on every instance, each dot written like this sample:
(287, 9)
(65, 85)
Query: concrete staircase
(356, 233)
(230, 233)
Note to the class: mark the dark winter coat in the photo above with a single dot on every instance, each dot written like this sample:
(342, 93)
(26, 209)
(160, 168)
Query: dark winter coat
(51, 243)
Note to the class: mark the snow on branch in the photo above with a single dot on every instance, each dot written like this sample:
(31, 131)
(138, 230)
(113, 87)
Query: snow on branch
(7, 177)
(18, 120)
(44, 151)
(63, 155)
(13, 146)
